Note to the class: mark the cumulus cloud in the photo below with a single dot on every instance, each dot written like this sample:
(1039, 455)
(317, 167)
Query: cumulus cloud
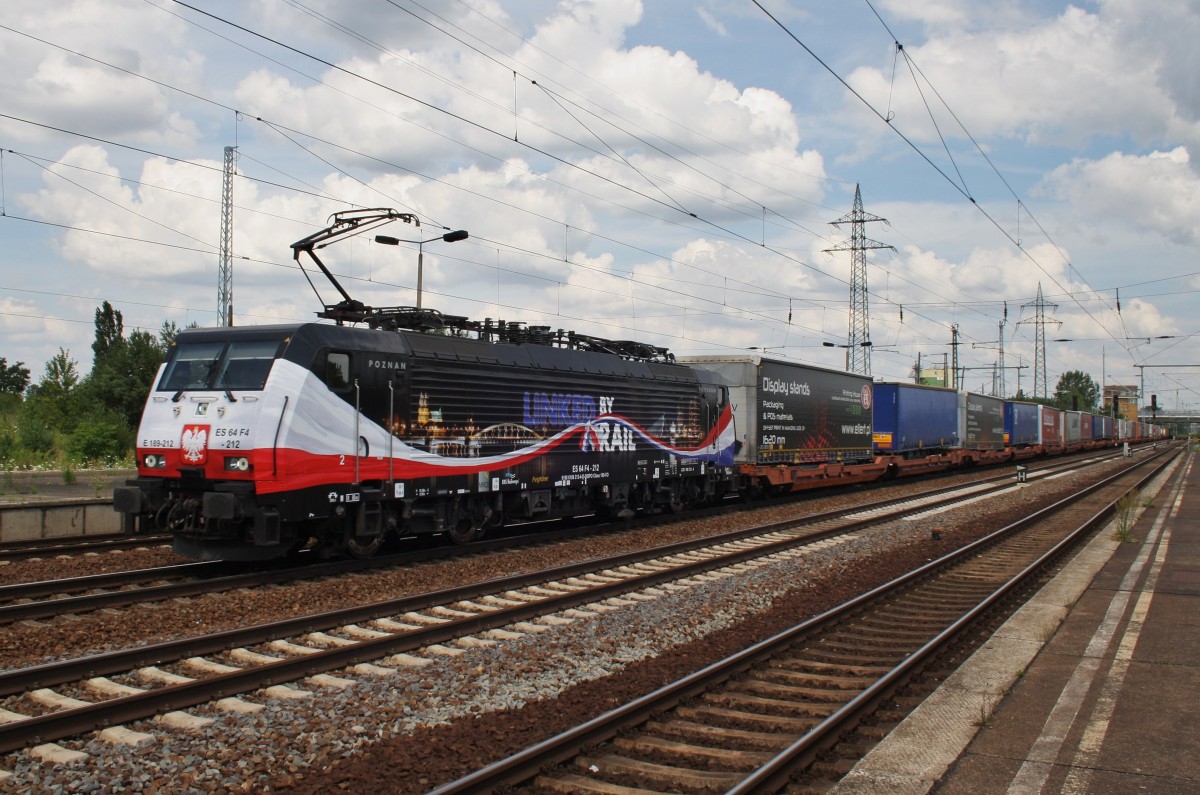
(625, 188)
(1159, 191)
(99, 89)
(1063, 79)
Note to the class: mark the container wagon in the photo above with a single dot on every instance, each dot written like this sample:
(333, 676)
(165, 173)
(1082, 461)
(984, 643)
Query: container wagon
(1085, 428)
(981, 422)
(1050, 429)
(1022, 424)
(797, 425)
(1072, 422)
(913, 420)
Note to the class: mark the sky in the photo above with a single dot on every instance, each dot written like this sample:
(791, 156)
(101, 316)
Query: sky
(660, 171)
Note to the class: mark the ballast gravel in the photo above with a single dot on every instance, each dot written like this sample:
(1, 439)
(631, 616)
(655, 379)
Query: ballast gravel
(421, 726)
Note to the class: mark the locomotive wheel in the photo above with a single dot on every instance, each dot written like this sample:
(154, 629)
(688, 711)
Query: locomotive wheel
(364, 546)
(463, 532)
(171, 517)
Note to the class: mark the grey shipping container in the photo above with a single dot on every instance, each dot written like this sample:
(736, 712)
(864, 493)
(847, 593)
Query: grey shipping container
(1072, 425)
(790, 413)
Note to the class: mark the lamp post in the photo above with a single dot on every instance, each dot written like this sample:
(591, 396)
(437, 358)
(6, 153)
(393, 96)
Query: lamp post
(449, 237)
(864, 344)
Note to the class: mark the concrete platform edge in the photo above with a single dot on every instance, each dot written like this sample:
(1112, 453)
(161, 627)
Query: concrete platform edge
(919, 751)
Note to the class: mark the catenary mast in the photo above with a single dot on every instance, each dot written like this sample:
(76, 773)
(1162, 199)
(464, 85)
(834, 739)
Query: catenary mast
(225, 266)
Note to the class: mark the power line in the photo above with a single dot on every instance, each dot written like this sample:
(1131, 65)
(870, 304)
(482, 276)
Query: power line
(958, 187)
(776, 250)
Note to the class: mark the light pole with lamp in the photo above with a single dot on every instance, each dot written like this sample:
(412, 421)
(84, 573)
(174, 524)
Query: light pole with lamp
(449, 237)
(864, 344)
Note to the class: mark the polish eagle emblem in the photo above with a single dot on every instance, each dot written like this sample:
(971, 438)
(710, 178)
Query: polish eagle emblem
(194, 443)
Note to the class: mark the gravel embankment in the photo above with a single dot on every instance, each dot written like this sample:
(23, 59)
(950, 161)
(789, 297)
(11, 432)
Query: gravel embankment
(422, 726)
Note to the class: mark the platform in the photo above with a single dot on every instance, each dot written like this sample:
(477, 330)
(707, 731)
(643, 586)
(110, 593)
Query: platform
(1092, 687)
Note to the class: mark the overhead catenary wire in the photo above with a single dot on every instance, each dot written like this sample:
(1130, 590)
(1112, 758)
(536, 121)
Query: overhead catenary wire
(819, 272)
(961, 189)
(277, 127)
(485, 128)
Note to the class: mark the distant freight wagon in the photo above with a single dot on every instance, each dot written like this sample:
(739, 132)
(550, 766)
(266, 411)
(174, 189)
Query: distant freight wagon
(981, 421)
(1022, 424)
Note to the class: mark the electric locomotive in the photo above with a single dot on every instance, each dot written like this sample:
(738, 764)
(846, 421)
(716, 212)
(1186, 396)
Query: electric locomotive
(260, 441)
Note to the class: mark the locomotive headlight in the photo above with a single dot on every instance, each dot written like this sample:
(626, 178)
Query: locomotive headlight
(237, 464)
(154, 461)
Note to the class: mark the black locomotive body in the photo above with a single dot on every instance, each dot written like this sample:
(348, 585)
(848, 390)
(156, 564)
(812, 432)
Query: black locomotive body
(346, 436)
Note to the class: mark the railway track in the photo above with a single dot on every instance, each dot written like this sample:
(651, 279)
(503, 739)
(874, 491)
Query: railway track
(776, 714)
(42, 548)
(79, 595)
(53, 547)
(164, 678)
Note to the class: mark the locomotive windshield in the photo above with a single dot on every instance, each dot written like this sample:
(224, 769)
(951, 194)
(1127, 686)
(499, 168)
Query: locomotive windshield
(227, 365)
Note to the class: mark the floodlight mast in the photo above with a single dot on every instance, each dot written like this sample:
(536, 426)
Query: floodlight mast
(344, 224)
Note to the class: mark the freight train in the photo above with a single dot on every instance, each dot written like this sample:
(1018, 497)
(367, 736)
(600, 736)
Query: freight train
(259, 442)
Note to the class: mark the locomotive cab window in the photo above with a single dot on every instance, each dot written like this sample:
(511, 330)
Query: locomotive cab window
(337, 371)
(239, 364)
(192, 367)
(247, 363)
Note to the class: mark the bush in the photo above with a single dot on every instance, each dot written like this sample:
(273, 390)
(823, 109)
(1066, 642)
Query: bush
(102, 441)
(35, 436)
(8, 444)
(10, 404)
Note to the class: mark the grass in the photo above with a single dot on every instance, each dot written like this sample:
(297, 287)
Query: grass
(985, 714)
(1126, 515)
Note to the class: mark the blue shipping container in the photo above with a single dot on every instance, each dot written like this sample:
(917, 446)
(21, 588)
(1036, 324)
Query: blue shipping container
(1020, 423)
(909, 417)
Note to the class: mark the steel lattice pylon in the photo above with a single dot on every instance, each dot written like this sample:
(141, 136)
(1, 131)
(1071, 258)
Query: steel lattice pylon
(225, 266)
(858, 343)
(1040, 322)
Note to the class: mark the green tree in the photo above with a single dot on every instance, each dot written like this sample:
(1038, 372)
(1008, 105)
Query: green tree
(123, 377)
(169, 330)
(13, 378)
(60, 378)
(1076, 391)
(110, 326)
(51, 403)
